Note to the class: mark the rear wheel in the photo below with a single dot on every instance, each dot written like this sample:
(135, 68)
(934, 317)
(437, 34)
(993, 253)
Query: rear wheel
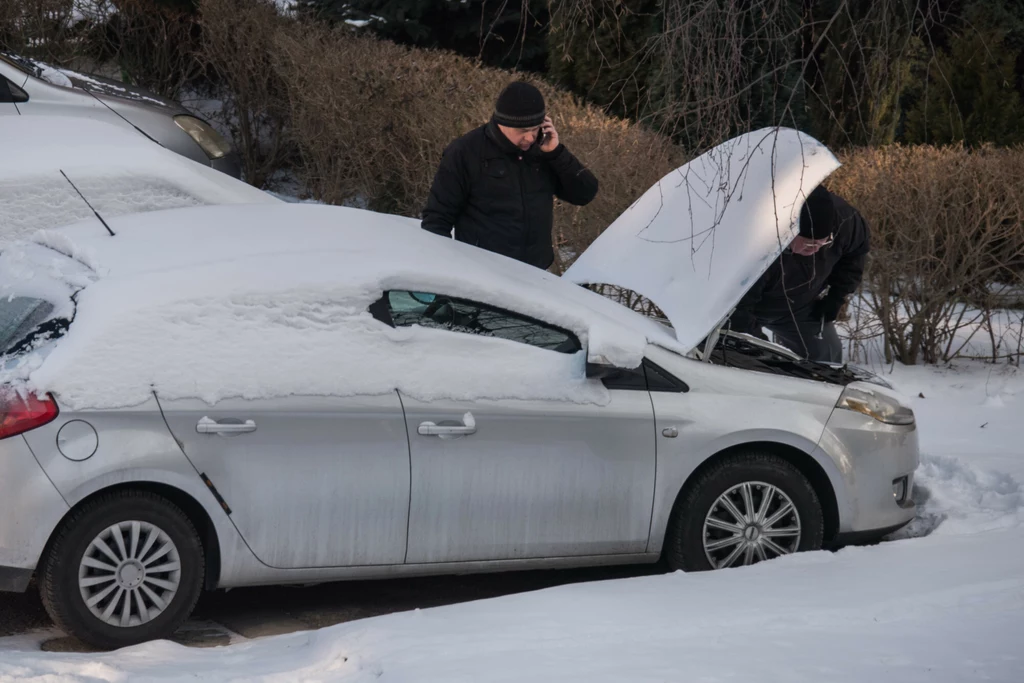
(125, 568)
(747, 508)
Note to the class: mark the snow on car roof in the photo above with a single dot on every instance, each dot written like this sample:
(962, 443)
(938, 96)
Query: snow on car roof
(261, 301)
(50, 163)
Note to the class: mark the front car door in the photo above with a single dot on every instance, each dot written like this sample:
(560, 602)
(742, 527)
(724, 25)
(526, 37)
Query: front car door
(519, 479)
(310, 481)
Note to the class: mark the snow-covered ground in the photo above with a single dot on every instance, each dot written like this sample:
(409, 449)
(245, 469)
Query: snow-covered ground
(945, 602)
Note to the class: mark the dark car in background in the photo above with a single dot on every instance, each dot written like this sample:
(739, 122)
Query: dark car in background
(29, 87)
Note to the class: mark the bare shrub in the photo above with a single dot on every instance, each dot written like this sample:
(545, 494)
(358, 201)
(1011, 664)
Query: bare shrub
(371, 120)
(947, 243)
(238, 40)
(153, 44)
(44, 29)
(143, 42)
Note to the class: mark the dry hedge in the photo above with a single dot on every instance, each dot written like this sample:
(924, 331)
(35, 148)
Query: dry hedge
(237, 45)
(947, 242)
(371, 120)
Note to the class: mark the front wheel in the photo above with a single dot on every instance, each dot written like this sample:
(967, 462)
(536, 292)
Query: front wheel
(747, 508)
(125, 568)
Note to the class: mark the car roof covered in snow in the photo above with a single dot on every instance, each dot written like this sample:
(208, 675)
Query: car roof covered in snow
(55, 170)
(337, 246)
(252, 301)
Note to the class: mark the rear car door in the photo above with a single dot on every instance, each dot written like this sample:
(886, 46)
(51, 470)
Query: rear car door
(309, 481)
(520, 479)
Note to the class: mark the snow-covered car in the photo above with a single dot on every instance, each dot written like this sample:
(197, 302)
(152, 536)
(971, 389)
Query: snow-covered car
(225, 396)
(29, 87)
(56, 171)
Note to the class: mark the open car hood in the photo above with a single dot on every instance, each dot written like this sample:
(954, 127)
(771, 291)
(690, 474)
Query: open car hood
(698, 240)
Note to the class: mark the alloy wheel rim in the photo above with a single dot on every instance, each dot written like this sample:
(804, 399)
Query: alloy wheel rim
(750, 523)
(129, 573)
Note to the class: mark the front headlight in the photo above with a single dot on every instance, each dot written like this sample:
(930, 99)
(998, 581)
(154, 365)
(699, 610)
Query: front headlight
(206, 137)
(881, 407)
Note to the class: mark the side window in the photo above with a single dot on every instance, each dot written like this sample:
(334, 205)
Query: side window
(459, 315)
(10, 92)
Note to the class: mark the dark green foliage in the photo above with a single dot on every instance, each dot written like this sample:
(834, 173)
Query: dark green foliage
(502, 33)
(849, 72)
(863, 58)
(971, 91)
(606, 55)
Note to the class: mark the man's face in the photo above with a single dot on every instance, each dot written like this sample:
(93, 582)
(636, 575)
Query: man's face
(805, 246)
(523, 138)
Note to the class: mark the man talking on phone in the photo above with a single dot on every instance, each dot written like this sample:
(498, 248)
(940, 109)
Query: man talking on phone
(496, 184)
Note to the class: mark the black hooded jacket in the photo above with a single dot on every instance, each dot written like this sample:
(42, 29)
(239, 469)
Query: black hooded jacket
(500, 198)
(792, 284)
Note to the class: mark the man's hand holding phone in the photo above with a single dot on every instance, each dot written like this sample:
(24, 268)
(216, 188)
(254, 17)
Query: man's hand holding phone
(548, 136)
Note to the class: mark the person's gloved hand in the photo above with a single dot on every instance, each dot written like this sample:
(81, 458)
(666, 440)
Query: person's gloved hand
(827, 309)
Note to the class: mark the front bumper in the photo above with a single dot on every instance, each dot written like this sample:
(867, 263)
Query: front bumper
(863, 537)
(30, 509)
(871, 457)
(14, 579)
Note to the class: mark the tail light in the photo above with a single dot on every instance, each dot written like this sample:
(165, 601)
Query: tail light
(23, 413)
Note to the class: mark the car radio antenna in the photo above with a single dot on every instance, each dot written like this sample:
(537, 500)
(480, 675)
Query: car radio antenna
(97, 213)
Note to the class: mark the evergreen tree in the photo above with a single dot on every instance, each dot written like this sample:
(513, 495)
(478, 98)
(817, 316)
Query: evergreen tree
(863, 61)
(508, 34)
(728, 68)
(969, 94)
(607, 54)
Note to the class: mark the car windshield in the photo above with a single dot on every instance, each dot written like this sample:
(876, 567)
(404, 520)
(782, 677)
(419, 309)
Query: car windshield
(24, 321)
(38, 287)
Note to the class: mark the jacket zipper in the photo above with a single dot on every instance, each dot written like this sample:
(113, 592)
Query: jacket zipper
(522, 202)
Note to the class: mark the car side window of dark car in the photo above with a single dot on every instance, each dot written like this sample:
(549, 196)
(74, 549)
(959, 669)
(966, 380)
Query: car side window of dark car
(11, 93)
(437, 311)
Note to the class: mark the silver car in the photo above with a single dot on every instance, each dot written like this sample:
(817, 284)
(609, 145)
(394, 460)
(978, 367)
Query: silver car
(225, 396)
(57, 170)
(29, 87)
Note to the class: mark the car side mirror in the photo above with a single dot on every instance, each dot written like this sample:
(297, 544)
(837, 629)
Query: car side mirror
(9, 92)
(600, 370)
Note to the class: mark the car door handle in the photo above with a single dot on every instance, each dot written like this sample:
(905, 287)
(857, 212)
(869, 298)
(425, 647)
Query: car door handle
(208, 426)
(448, 431)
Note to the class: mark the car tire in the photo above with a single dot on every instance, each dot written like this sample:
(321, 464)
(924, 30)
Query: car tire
(697, 539)
(80, 565)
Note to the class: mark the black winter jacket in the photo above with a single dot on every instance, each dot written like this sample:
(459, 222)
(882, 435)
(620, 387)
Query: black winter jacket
(501, 198)
(802, 279)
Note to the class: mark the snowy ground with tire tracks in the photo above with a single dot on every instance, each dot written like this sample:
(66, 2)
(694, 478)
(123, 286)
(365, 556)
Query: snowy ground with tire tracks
(942, 601)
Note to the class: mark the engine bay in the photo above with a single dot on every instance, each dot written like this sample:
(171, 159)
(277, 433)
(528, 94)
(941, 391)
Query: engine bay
(740, 351)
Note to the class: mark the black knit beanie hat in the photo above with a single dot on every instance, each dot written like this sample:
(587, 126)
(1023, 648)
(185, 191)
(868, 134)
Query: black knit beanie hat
(520, 105)
(817, 214)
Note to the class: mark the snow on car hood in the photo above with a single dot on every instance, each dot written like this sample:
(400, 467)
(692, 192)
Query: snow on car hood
(696, 241)
(116, 169)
